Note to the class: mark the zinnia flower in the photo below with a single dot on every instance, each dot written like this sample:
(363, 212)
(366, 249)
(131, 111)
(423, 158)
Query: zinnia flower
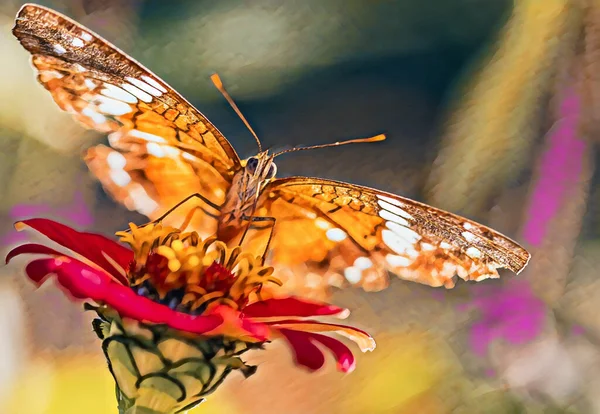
(175, 312)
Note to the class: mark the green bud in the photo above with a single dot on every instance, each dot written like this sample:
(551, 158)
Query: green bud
(161, 370)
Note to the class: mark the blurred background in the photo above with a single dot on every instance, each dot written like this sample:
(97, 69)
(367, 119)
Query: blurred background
(490, 108)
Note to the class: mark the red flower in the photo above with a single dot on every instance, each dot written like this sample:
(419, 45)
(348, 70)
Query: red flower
(196, 287)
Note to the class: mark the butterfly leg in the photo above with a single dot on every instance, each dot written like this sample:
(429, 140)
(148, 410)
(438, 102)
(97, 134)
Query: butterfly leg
(176, 206)
(253, 219)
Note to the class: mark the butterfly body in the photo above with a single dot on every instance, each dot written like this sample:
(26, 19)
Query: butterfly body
(246, 186)
(242, 197)
(162, 150)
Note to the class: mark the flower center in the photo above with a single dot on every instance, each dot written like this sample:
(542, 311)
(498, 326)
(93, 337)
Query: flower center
(189, 274)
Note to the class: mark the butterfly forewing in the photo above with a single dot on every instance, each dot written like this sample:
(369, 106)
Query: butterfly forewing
(162, 145)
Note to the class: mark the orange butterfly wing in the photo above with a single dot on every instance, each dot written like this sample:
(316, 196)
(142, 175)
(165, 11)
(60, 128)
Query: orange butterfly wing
(163, 149)
(343, 231)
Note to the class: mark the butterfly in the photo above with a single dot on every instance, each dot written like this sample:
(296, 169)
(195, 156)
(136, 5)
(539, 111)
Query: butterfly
(162, 150)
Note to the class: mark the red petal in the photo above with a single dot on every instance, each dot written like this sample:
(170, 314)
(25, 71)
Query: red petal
(287, 307)
(85, 282)
(90, 245)
(343, 354)
(33, 248)
(305, 352)
(256, 330)
(364, 341)
(310, 356)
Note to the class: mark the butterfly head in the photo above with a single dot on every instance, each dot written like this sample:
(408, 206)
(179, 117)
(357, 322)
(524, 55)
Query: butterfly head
(260, 169)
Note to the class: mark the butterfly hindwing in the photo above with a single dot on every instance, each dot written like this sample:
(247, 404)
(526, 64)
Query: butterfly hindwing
(359, 232)
(158, 138)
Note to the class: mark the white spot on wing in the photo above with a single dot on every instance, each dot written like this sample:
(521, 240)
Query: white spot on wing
(386, 215)
(86, 36)
(353, 274)
(120, 177)
(114, 138)
(161, 151)
(406, 233)
(154, 149)
(116, 160)
(445, 245)
(147, 136)
(141, 200)
(312, 280)
(467, 226)
(189, 157)
(59, 49)
(171, 152)
(428, 247)
(111, 106)
(462, 272)
(77, 42)
(138, 93)
(144, 86)
(470, 237)
(336, 235)
(396, 210)
(397, 261)
(473, 252)
(97, 118)
(389, 200)
(90, 84)
(322, 223)
(154, 83)
(46, 75)
(120, 94)
(363, 263)
(395, 243)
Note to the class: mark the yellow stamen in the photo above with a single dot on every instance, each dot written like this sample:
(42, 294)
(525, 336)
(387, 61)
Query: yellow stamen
(166, 251)
(174, 265)
(193, 261)
(177, 245)
(196, 289)
(187, 259)
(206, 298)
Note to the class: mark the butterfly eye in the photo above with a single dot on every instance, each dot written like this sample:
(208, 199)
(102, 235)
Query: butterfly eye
(252, 164)
(272, 171)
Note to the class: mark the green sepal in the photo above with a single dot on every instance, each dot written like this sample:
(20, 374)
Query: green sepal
(161, 370)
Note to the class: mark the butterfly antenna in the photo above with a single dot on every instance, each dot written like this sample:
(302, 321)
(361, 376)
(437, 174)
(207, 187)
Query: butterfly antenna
(376, 138)
(219, 85)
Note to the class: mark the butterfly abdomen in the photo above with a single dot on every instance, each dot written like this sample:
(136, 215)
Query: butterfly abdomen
(236, 204)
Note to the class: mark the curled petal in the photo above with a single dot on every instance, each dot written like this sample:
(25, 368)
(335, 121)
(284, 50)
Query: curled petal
(291, 307)
(33, 248)
(306, 353)
(100, 250)
(85, 282)
(343, 354)
(364, 341)
(310, 356)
